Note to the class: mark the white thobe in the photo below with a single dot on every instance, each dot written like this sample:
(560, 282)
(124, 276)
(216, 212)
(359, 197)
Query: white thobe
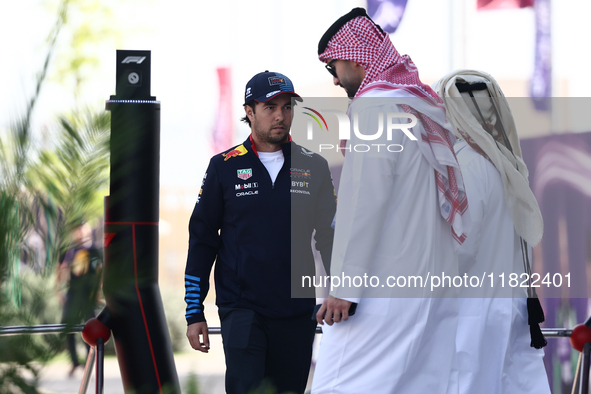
(388, 222)
(493, 339)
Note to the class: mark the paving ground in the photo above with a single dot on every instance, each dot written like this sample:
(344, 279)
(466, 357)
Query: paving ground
(209, 369)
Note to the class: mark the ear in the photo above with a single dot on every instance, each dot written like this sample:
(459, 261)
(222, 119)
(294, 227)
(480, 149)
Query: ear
(249, 113)
(359, 69)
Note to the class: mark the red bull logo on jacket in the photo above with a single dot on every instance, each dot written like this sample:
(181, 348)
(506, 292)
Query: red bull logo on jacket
(240, 150)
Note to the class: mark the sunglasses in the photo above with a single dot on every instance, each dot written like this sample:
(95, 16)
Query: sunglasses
(331, 69)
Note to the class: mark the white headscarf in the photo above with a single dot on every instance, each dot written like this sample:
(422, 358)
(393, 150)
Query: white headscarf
(527, 217)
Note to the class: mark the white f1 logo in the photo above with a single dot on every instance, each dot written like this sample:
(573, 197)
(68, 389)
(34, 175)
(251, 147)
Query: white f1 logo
(134, 59)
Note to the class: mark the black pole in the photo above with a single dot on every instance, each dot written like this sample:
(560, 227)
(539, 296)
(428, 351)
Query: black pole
(137, 320)
(100, 365)
(585, 365)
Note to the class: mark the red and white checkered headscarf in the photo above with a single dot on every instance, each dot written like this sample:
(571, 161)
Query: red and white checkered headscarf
(361, 41)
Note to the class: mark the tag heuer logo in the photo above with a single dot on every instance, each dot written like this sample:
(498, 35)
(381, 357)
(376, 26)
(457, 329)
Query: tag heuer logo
(245, 174)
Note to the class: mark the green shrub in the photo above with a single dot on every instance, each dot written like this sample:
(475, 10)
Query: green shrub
(20, 353)
(192, 385)
(174, 307)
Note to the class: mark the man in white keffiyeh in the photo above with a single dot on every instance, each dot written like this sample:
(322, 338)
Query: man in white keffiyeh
(521, 202)
(398, 215)
(493, 339)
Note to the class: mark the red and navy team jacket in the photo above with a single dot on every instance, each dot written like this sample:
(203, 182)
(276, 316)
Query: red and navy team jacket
(259, 232)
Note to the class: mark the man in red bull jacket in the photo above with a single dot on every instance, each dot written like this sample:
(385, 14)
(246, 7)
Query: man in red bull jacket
(258, 207)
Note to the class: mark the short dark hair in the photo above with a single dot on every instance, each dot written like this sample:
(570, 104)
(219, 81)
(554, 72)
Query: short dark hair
(252, 104)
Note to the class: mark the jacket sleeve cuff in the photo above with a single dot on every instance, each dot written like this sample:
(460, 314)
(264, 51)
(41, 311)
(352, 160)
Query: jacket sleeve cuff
(195, 319)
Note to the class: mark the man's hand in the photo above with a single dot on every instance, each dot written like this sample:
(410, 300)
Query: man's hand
(335, 308)
(194, 331)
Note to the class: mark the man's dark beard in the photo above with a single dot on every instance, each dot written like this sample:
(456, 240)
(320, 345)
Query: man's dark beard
(276, 140)
(350, 88)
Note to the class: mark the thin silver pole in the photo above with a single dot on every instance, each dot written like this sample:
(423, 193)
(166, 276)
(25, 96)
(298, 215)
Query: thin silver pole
(64, 329)
(87, 371)
(577, 379)
(41, 329)
(556, 332)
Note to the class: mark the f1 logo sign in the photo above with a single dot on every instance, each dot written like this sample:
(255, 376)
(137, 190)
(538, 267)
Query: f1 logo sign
(133, 59)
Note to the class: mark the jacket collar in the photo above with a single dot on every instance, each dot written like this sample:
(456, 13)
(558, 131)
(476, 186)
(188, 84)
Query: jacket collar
(286, 147)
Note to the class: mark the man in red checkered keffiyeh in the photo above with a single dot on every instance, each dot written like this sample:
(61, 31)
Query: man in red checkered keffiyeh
(397, 217)
(377, 66)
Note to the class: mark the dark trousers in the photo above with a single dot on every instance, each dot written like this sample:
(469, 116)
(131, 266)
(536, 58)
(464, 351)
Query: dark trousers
(261, 351)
